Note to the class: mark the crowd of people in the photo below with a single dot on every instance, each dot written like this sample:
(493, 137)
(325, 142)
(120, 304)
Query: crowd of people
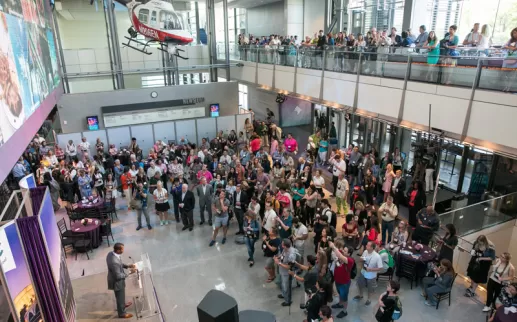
(376, 45)
(279, 201)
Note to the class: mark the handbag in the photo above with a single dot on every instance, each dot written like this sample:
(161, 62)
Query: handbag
(379, 314)
(135, 204)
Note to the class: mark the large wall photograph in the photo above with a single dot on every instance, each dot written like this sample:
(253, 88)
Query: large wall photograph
(28, 61)
(17, 276)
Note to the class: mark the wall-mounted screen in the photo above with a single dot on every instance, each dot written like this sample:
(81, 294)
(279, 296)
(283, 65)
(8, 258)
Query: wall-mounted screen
(93, 122)
(28, 61)
(214, 110)
(295, 112)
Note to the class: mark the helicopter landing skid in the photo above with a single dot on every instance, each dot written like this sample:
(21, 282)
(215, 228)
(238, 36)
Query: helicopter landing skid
(172, 50)
(142, 50)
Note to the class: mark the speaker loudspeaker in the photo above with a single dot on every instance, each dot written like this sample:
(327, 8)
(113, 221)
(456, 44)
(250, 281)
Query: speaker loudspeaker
(217, 306)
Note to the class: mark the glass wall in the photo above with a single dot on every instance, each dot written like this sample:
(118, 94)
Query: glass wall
(499, 15)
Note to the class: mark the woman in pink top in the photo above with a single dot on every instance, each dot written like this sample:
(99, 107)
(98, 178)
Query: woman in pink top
(290, 144)
(388, 179)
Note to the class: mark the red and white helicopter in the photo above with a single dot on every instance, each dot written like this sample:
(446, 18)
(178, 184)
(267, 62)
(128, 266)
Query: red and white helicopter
(158, 22)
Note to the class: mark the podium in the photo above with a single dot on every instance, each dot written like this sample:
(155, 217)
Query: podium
(140, 287)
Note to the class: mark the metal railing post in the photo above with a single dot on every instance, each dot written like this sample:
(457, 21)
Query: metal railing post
(404, 88)
(475, 84)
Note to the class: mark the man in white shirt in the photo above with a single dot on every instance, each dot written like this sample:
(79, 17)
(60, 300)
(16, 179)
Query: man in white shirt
(254, 206)
(269, 217)
(343, 188)
(370, 263)
(300, 235)
(473, 37)
(84, 147)
(339, 167)
(225, 158)
(326, 210)
(152, 170)
(388, 211)
(201, 156)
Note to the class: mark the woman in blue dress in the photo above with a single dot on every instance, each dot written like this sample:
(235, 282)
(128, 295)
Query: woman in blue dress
(84, 182)
(433, 54)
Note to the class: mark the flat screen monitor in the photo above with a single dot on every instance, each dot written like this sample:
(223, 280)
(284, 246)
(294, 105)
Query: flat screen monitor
(93, 122)
(214, 110)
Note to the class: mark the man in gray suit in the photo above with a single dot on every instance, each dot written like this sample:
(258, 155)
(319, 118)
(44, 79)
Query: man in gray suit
(204, 192)
(117, 279)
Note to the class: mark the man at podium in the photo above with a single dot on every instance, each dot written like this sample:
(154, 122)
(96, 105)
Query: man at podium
(117, 279)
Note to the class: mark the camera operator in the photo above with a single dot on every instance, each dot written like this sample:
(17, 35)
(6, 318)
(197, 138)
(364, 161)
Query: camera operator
(286, 263)
(270, 245)
(309, 279)
(141, 195)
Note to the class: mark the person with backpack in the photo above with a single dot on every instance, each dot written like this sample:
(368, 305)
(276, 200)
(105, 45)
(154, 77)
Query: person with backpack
(387, 260)
(344, 268)
(390, 307)
(327, 211)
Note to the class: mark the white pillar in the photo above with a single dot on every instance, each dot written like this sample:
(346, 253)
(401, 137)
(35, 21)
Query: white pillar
(293, 11)
(415, 15)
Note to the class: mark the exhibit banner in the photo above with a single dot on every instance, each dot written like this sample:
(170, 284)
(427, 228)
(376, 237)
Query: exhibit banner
(16, 275)
(50, 230)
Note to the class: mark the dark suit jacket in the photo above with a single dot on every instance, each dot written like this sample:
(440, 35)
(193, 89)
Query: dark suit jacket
(244, 200)
(116, 274)
(189, 201)
(204, 199)
(301, 166)
(401, 189)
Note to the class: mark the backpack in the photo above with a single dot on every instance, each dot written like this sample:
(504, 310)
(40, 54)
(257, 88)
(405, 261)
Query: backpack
(391, 261)
(397, 313)
(353, 272)
(333, 219)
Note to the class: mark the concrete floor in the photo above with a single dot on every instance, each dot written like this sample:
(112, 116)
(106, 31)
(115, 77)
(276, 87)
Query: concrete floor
(185, 269)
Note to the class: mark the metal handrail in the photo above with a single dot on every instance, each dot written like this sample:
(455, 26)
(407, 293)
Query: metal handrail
(476, 204)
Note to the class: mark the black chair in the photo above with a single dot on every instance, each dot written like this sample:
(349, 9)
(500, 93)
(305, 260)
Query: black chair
(446, 295)
(407, 268)
(106, 231)
(63, 230)
(386, 276)
(72, 214)
(82, 245)
(109, 208)
(67, 242)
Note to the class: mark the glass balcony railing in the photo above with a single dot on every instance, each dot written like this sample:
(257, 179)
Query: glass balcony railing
(484, 69)
(482, 215)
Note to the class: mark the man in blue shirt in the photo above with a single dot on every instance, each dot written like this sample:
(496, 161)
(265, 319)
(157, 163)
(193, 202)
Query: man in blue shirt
(19, 170)
(141, 195)
(286, 222)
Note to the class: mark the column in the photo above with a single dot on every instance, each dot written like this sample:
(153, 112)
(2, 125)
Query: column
(117, 61)
(293, 11)
(210, 32)
(226, 40)
(415, 15)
